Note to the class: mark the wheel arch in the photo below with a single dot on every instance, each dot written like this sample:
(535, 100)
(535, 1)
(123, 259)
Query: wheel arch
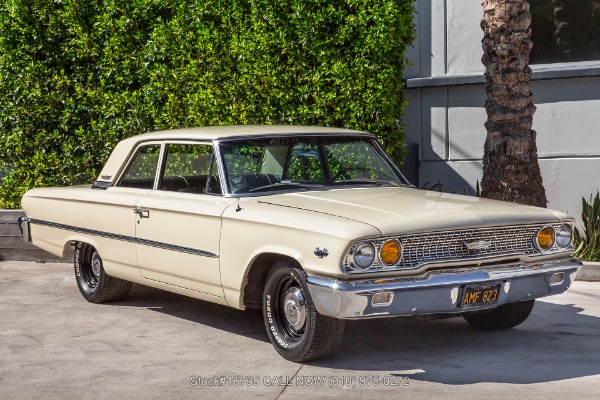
(72, 240)
(256, 277)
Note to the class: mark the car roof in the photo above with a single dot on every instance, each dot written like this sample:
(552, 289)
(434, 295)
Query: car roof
(234, 131)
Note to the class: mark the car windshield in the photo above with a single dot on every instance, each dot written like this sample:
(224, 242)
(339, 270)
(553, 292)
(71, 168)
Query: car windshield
(305, 163)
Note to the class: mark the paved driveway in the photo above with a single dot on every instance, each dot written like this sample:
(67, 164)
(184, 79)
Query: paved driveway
(53, 344)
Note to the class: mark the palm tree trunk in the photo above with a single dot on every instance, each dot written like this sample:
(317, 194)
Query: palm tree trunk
(510, 165)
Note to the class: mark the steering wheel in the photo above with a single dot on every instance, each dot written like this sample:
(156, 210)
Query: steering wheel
(348, 169)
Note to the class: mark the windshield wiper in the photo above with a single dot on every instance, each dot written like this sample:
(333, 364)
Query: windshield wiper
(376, 182)
(284, 185)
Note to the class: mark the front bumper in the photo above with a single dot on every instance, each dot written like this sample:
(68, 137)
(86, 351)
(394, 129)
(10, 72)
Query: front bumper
(438, 292)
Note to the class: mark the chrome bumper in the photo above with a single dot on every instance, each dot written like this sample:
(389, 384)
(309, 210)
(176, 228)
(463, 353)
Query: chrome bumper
(438, 292)
(24, 227)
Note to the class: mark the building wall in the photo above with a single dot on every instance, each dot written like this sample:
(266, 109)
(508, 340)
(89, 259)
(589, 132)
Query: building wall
(445, 115)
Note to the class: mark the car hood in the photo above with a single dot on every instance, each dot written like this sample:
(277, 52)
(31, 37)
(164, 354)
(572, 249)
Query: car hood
(407, 210)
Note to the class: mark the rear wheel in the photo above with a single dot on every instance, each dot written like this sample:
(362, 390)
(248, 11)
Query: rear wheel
(94, 283)
(504, 317)
(298, 332)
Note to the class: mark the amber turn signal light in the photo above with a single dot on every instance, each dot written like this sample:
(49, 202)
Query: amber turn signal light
(545, 238)
(390, 252)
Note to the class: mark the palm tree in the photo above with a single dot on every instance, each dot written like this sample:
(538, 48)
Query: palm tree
(510, 165)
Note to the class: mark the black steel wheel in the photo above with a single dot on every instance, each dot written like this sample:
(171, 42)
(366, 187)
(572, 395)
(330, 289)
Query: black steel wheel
(503, 317)
(298, 332)
(94, 283)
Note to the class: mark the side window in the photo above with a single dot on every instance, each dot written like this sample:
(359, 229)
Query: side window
(187, 168)
(142, 170)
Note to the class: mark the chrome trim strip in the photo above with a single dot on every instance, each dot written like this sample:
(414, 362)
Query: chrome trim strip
(176, 248)
(161, 165)
(125, 238)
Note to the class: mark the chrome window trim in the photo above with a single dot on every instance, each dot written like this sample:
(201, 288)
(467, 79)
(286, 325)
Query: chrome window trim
(221, 168)
(294, 135)
(161, 165)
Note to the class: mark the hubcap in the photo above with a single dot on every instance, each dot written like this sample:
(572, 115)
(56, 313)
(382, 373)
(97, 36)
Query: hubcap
(96, 263)
(295, 308)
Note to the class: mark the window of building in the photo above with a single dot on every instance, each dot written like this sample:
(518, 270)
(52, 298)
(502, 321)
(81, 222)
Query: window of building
(565, 31)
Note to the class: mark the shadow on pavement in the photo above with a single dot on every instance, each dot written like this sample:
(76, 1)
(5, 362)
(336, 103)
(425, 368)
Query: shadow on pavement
(246, 323)
(557, 342)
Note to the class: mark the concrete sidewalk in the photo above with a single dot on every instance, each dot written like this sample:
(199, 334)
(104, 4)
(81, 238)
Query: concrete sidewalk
(589, 272)
(154, 344)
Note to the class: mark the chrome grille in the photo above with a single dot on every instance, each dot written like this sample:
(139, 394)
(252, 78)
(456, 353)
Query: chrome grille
(451, 245)
(437, 247)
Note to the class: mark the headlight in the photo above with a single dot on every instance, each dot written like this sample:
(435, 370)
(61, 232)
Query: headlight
(564, 236)
(363, 256)
(390, 251)
(545, 238)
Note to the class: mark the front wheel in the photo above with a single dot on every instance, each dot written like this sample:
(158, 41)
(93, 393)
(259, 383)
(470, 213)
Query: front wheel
(504, 317)
(296, 330)
(94, 283)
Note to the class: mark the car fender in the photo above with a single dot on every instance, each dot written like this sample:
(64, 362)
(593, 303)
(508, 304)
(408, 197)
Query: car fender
(316, 241)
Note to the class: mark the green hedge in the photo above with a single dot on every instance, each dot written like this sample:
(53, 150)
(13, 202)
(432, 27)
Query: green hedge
(77, 76)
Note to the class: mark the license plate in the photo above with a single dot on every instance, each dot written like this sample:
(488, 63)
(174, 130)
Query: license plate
(480, 295)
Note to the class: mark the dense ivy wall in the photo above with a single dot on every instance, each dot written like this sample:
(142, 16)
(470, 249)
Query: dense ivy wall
(76, 76)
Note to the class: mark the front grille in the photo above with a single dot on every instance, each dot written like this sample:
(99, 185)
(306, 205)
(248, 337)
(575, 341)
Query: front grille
(437, 247)
(450, 246)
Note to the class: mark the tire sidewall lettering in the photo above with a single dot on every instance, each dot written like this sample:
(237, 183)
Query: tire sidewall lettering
(77, 260)
(81, 262)
(272, 327)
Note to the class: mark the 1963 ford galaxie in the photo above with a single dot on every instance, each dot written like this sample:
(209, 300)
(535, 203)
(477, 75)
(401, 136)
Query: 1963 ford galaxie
(313, 225)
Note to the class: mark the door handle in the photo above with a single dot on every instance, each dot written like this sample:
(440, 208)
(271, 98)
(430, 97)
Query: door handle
(143, 213)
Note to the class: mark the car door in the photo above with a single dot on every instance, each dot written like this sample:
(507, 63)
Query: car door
(112, 215)
(178, 224)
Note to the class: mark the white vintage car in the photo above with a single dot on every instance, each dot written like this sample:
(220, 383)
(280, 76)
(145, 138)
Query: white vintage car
(313, 225)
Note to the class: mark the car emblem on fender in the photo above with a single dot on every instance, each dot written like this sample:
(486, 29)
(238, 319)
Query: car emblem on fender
(478, 245)
(321, 253)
